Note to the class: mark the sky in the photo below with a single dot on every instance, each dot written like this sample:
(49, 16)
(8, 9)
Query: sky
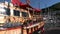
(39, 3)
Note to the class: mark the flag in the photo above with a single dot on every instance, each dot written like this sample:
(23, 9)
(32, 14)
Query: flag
(15, 2)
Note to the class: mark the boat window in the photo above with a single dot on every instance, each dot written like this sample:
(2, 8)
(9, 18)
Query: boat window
(7, 11)
(25, 14)
(16, 13)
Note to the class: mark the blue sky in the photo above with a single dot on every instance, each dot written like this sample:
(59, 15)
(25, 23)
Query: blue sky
(40, 3)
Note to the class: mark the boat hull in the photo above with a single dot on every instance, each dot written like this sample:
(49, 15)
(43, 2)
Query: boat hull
(22, 30)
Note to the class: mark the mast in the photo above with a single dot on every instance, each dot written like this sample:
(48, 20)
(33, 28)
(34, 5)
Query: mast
(4, 1)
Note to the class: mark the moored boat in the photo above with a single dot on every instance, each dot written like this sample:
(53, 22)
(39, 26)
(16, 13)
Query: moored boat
(16, 19)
